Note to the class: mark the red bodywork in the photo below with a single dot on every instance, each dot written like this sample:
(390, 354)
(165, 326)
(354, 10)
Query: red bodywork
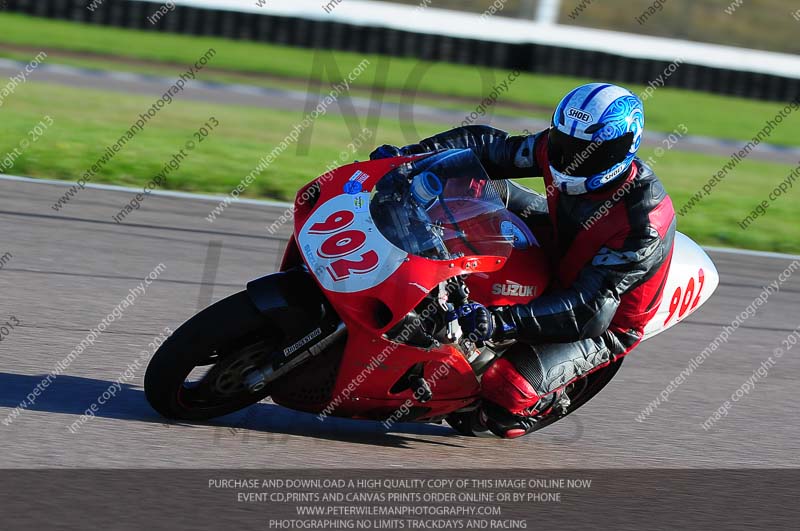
(370, 364)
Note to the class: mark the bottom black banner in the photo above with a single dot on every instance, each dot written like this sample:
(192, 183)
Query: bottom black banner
(400, 499)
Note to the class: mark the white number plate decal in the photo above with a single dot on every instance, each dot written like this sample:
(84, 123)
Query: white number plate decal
(344, 249)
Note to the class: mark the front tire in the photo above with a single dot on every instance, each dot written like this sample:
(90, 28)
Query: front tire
(229, 337)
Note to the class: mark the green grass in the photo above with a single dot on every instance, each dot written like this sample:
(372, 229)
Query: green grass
(703, 114)
(167, 71)
(85, 121)
(715, 220)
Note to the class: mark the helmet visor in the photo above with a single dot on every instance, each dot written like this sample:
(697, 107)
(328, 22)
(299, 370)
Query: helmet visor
(584, 158)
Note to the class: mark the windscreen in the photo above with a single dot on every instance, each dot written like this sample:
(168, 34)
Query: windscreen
(443, 207)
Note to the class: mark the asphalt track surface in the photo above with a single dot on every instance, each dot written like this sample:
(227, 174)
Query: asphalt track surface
(70, 269)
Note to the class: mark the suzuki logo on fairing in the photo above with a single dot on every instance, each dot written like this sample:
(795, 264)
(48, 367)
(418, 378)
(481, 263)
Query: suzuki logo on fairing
(581, 116)
(512, 289)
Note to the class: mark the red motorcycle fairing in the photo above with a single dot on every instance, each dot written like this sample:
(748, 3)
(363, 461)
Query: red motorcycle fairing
(524, 277)
(372, 285)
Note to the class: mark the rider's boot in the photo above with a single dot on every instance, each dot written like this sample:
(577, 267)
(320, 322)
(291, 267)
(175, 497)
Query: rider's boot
(528, 383)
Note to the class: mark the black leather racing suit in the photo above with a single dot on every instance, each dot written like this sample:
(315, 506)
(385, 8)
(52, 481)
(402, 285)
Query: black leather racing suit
(613, 249)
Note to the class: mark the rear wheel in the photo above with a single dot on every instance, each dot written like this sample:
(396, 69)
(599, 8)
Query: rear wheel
(198, 373)
(579, 392)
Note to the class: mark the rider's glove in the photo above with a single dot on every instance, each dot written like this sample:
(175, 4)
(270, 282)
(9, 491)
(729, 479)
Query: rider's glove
(504, 327)
(386, 151)
(475, 320)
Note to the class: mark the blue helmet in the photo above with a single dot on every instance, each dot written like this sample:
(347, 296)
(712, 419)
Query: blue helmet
(593, 139)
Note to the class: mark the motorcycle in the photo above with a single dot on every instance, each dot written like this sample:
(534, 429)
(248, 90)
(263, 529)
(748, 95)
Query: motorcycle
(358, 321)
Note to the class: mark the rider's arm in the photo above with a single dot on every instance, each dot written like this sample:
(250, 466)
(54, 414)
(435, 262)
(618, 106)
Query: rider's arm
(503, 156)
(587, 307)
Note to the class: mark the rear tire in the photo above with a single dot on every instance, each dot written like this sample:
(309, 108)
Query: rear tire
(583, 390)
(589, 386)
(228, 332)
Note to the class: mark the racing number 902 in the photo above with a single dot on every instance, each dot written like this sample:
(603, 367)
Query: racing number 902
(682, 301)
(341, 243)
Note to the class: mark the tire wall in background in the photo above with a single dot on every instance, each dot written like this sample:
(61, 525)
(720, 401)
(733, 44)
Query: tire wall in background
(307, 33)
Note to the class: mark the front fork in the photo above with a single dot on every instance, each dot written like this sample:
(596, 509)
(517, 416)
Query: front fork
(278, 365)
(293, 302)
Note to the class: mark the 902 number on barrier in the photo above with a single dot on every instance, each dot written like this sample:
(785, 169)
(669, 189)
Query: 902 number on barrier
(344, 241)
(686, 300)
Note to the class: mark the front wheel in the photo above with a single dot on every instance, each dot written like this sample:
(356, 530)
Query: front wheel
(198, 373)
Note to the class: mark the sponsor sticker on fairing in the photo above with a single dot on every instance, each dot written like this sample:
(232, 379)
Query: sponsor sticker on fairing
(359, 176)
(355, 184)
(305, 341)
(360, 202)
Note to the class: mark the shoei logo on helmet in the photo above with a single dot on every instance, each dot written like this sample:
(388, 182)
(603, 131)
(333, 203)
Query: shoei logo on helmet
(613, 173)
(599, 180)
(581, 116)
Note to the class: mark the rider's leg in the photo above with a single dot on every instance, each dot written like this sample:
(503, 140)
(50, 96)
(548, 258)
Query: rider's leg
(529, 380)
